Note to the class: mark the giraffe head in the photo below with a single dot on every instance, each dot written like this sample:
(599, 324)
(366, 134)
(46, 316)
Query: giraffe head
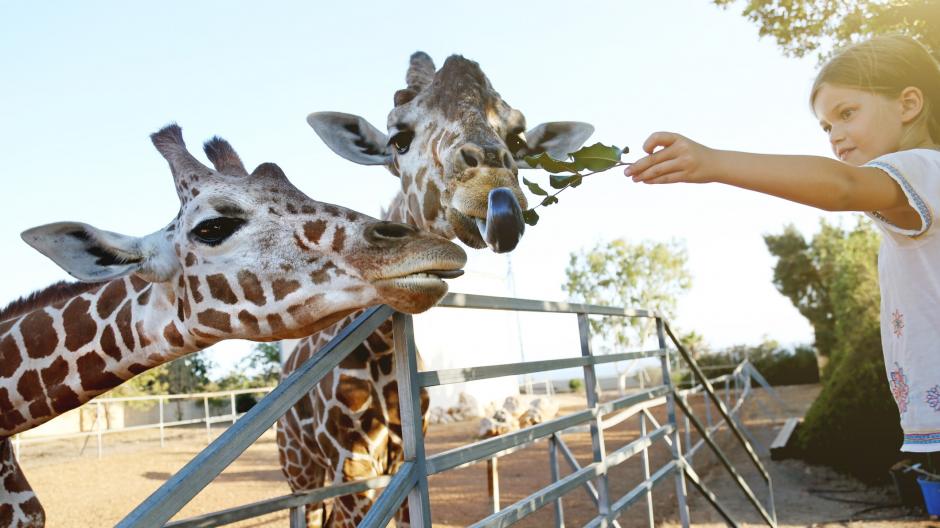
(457, 147)
(250, 256)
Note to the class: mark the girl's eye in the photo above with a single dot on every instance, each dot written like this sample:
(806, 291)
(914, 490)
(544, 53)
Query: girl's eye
(214, 231)
(402, 141)
(516, 143)
(847, 113)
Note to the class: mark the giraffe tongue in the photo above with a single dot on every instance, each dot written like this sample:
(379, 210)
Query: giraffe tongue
(504, 225)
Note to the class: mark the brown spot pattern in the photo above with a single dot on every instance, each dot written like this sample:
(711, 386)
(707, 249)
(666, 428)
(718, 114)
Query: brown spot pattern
(10, 358)
(219, 288)
(55, 373)
(432, 202)
(93, 374)
(38, 334)
(123, 322)
(284, 287)
(251, 287)
(249, 321)
(109, 343)
(194, 287)
(339, 239)
(354, 393)
(314, 230)
(80, 328)
(63, 398)
(172, 335)
(111, 298)
(215, 319)
(141, 334)
(276, 323)
(29, 386)
(138, 283)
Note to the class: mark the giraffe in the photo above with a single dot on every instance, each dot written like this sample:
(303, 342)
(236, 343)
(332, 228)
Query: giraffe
(248, 256)
(456, 147)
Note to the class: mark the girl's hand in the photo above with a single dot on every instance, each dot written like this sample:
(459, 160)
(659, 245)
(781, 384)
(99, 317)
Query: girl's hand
(679, 160)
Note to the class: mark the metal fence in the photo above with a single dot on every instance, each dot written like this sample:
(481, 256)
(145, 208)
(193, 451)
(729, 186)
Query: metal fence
(99, 428)
(411, 481)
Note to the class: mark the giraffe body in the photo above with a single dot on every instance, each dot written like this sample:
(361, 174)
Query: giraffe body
(456, 147)
(248, 256)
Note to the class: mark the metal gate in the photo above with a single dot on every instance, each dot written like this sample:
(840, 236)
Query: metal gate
(411, 480)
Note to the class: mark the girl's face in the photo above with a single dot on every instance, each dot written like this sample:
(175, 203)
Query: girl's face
(861, 125)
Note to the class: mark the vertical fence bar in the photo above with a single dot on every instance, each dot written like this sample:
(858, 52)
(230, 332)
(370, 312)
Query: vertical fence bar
(234, 413)
(708, 409)
(492, 482)
(688, 427)
(161, 421)
(671, 413)
(597, 431)
(298, 516)
(646, 473)
(412, 431)
(205, 405)
(553, 467)
(100, 428)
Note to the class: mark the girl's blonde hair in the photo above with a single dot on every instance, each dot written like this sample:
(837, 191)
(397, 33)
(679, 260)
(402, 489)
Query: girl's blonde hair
(886, 65)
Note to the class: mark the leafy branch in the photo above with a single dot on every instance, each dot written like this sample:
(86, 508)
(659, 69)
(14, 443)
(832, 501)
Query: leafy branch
(593, 159)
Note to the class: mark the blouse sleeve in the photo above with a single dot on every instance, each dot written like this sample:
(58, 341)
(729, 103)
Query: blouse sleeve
(918, 174)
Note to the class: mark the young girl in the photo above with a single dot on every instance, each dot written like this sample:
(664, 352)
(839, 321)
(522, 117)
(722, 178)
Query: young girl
(879, 103)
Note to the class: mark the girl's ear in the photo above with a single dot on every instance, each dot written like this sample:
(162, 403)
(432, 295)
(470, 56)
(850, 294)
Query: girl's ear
(912, 103)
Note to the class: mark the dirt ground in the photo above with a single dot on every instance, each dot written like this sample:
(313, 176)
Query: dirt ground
(79, 490)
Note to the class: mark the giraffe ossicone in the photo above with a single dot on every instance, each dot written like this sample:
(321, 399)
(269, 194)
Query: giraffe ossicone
(456, 147)
(248, 256)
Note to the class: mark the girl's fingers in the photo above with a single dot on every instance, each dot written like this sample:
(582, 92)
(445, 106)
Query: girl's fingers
(657, 171)
(640, 166)
(659, 139)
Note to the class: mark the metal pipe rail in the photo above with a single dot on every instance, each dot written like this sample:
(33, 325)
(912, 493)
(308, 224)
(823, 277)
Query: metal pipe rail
(411, 480)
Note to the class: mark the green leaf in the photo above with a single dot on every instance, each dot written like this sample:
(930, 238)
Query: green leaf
(534, 188)
(575, 180)
(530, 217)
(597, 157)
(550, 164)
(549, 200)
(559, 182)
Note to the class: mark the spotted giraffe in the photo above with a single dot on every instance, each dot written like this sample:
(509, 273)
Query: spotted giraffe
(248, 256)
(456, 147)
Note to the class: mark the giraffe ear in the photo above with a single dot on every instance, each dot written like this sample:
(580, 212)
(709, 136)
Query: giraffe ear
(557, 138)
(352, 137)
(93, 255)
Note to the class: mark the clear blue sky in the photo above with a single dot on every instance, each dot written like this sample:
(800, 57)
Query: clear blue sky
(84, 84)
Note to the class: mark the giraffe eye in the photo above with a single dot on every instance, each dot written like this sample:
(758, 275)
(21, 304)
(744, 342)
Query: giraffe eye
(516, 143)
(402, 141)
(214, 231)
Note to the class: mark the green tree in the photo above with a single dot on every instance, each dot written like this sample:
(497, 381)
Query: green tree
(804, 26)
(853, 425)
(265, 360)
(649, 275)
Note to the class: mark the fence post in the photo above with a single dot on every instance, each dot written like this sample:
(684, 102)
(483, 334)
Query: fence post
(411, 413)
(492, 482)
(161, 421)
(100, 421)
(597, 431)
(234, 414)
(646, 473)
(671, 412)
(205, 405)
(553, 468)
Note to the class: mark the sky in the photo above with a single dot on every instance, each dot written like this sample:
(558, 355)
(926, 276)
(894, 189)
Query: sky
(84, 84)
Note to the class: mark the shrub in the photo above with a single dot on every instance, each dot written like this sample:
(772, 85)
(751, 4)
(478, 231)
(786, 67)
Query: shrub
(575, 384)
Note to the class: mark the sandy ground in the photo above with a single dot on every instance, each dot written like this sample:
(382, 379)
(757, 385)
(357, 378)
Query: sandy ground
(80, 490)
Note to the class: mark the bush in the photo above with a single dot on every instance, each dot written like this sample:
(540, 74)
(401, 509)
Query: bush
(576, 385)
(778, 365)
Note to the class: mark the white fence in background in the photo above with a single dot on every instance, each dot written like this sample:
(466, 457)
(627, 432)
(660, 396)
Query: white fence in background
(101, 405)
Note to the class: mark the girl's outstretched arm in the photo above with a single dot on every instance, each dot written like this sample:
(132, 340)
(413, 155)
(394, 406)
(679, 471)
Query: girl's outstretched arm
(812, 180)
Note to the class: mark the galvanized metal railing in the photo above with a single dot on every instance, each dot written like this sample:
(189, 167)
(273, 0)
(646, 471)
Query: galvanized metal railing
(411, 480)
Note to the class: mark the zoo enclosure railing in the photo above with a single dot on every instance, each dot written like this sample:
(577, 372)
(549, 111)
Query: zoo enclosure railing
(99, 429)
(411, 481)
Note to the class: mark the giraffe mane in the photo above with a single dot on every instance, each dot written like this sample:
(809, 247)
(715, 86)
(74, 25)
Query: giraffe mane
(58, 292)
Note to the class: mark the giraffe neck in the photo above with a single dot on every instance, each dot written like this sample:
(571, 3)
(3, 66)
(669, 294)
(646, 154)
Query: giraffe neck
(55, 358)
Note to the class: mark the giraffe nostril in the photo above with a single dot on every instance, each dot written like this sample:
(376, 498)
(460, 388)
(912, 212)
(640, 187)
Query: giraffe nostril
(469, 158)
(391, 230)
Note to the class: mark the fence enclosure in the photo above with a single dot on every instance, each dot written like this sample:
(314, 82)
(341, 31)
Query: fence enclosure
(411, 481)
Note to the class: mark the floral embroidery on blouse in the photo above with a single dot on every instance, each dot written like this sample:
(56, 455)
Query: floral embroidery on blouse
(899, 388)
(897, 323)
(933, 397)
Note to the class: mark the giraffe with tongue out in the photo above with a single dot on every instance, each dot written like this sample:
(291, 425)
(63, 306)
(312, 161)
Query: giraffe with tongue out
(456, 147)
(248, 256)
